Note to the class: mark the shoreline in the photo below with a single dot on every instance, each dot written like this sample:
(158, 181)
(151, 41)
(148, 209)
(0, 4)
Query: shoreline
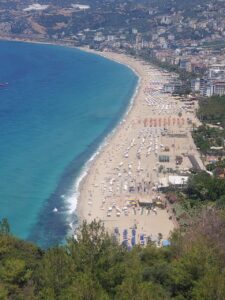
(80, 180)
(85, 49)
(88, 165)
(90, 191)
(83, 211)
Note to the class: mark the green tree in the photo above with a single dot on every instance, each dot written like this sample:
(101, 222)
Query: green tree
(211, 286)
(133, 290)
(84, 287)
(4, 227)
(55, 272)
(3, 292)
(92, 242)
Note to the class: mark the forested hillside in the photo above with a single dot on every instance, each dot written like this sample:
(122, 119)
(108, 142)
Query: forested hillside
(96, 267)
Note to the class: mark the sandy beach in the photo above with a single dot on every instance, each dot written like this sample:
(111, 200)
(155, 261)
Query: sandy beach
(123, 184)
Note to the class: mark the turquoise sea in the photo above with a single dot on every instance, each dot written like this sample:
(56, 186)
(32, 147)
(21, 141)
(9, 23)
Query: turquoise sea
(59, 105)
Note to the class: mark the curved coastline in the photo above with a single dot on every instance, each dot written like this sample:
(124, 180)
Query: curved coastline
(71, 201)
(104, 194)
(80, 181)
(148, 76)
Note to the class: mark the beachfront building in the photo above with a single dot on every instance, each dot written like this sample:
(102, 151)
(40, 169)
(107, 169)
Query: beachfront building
(219, 88)
(172, 87)
(195, 85)
(172, 180)
(210, 88)
(217, 71)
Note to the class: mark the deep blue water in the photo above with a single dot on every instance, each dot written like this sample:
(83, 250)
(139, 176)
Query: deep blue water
(58, 107)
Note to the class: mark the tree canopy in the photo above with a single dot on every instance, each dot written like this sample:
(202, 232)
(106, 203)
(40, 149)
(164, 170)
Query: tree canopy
(95, 266)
